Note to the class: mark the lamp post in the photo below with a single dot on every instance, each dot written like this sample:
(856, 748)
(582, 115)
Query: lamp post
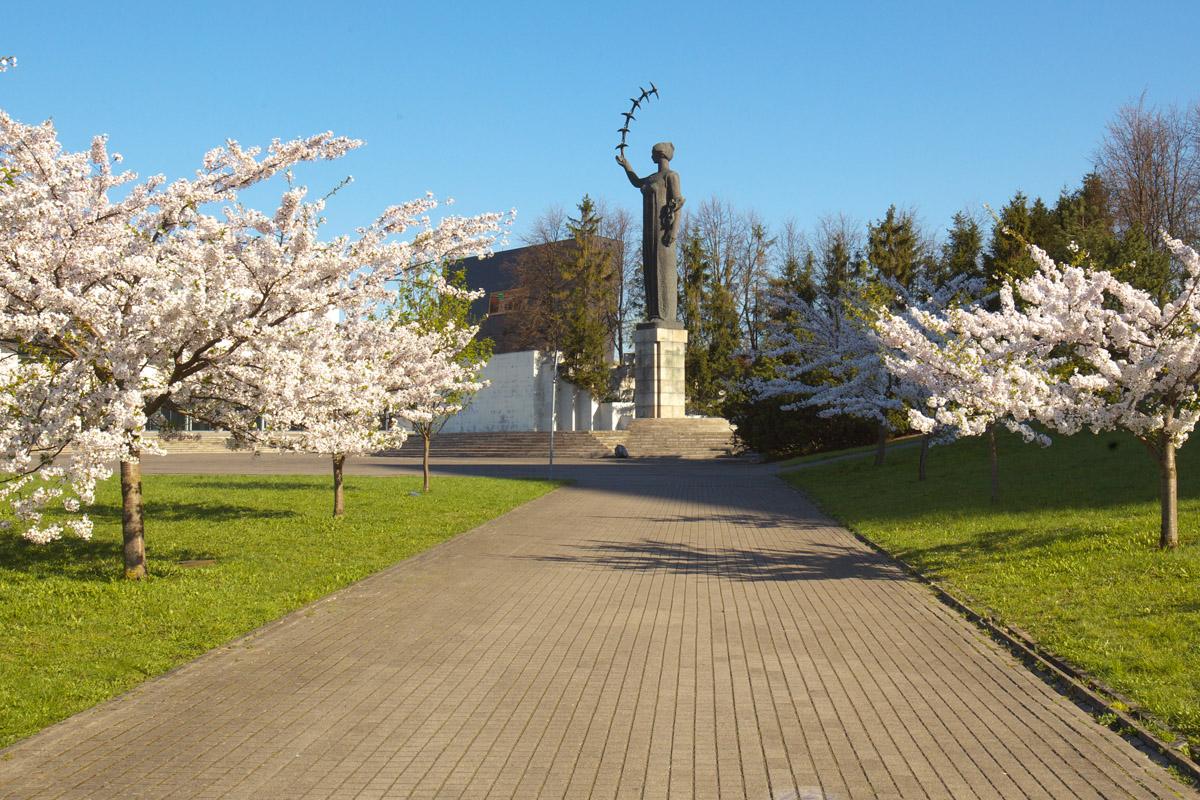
(553, 409)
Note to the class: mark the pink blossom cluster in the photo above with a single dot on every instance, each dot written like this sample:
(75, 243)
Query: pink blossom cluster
(122, 298)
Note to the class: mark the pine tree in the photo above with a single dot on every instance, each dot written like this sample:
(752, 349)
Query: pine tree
(962, 252)
(590, 281)
(840, 263)
(1007, 257)
(894, 248)
(695, 273)
(713, 363)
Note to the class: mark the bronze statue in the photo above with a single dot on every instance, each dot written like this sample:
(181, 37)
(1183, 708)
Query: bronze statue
(661, 202)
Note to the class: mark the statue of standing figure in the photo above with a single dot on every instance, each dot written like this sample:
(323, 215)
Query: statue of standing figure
(661, 202)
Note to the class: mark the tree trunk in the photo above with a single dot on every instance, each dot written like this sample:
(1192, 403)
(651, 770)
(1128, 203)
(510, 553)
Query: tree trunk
(994, 460)
(924, 457)
(881, 445)
(339, 496)
(425, 436)
(133, 530)
(1168, 496)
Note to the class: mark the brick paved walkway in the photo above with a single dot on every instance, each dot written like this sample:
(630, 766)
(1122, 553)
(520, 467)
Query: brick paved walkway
(685, 630)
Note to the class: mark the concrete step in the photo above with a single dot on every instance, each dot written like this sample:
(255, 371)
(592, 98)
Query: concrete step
(688, 437)
(516, 444)
(685, 437)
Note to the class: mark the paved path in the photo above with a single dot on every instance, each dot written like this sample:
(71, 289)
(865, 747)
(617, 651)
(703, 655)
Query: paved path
(655, 630)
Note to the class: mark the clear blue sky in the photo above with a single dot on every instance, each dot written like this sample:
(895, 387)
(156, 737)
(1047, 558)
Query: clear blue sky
(793, 109)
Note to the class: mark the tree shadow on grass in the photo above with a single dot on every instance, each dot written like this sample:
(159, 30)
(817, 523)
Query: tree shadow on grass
(91, 561)
(75, 559)
(259, 484)
(993, 545)
(195, 512)
(100, 559)
(814, 562)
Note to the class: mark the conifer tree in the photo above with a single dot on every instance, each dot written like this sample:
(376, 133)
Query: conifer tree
(894, 247)
(962, 252)
(1007, 258)
(589, 274)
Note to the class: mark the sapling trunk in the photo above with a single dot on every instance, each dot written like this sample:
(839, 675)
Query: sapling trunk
(133, 531)
(994, 462)
(881, 445)
(1163, 452)
(1168, 495)
(339, 496)
(924, 457)
(425, 436)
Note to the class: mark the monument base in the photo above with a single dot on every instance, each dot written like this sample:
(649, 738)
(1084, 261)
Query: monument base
(658, 390)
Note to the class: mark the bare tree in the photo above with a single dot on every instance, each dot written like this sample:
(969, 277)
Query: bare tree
(753, 275)
(618, 225)
(723, 231)
(1150, 162)
(790, 246)
(550, 226)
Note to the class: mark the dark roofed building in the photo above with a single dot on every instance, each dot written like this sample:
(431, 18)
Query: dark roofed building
(499, 275)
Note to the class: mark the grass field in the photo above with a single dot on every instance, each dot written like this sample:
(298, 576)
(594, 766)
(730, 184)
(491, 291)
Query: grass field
(73, 632)
(1069, 553)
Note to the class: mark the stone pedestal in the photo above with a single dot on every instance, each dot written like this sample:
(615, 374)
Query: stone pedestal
(658, 374)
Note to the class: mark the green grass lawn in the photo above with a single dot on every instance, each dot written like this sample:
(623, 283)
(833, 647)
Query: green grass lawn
(1069, 554)
(73, 632)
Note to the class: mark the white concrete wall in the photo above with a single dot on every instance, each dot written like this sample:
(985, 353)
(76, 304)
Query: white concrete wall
(510, 401)
(613, 416)
(564, 418)
(518, 395)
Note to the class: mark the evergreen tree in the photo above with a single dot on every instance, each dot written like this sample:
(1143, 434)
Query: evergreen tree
(962, 252)
(713, 361)
(1006, 257)
(696, 273)
(590, 279)
(1045, 228)
(840, 263)
(1082, 217)
(723, 341)
(894, 248)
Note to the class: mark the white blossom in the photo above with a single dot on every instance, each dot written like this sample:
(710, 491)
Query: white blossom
(120, 299)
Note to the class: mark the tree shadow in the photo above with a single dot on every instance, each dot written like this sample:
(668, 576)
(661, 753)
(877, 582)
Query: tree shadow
(75, 559)
(816, 562)
(90, 561)
(265, 483)
(748, 519)
(195, 512)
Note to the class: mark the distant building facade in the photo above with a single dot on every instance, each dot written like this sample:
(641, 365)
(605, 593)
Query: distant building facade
(506, 298)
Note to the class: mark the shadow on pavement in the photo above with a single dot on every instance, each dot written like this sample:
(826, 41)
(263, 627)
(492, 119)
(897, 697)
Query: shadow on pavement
(822, 562)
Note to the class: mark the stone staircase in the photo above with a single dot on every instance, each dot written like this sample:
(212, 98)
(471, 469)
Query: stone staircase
(684, 437)
(508, 444)
(197, 442)
(687, 437)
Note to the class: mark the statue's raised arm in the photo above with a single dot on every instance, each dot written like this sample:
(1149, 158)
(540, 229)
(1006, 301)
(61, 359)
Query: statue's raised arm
(629, 173)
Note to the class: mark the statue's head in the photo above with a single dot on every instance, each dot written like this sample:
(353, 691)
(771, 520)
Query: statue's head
(662, 151)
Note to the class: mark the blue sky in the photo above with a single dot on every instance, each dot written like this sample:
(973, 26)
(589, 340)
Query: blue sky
(791, 109)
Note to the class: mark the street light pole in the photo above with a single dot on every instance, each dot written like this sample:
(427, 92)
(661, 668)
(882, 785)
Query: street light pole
(553, 410)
